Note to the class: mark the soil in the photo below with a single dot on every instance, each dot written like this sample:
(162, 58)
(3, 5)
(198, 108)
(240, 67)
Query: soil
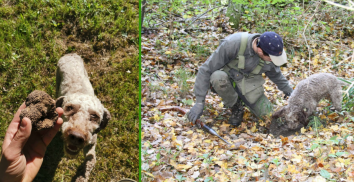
(277, 128)
(40, 109)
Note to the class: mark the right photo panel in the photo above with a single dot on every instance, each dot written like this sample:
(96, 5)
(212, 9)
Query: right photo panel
(240, 91)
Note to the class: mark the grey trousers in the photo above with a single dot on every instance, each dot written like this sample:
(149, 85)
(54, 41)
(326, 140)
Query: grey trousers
(221, 83)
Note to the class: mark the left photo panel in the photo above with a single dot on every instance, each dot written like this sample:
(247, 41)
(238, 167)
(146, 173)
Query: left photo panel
(69, 90)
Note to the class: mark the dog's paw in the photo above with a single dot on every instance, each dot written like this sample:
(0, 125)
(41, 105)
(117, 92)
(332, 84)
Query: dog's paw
(81, 179)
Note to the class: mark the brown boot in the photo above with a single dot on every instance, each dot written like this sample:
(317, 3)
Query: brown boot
(236, 114)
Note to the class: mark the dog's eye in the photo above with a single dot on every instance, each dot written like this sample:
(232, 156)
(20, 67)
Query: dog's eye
(69, 108)
(94, 117)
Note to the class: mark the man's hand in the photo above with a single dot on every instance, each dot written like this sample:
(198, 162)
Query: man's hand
(287, 95)
(195, 112)
(23, 149)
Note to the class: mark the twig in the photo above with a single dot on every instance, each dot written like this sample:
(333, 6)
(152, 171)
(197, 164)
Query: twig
(171, 22)
(303, 4)
(303, 33)
(154, 28)
(346, 60)
(202, 15)
(173, 108)
(160, 23)
(266, 169)
(147, 48)
(178, 109)
(303, 13)
(200, 29)
(339, 5)
(144, 90)
(351, 2)
(347, 91)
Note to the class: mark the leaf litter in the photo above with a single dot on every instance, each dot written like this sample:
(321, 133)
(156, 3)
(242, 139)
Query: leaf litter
(174, 150)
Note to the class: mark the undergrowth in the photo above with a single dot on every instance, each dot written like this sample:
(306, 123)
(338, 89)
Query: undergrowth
(182, 76)
(348, 95)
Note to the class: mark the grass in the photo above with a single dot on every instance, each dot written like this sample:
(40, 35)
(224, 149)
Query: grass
(182, 76)
(36, 33)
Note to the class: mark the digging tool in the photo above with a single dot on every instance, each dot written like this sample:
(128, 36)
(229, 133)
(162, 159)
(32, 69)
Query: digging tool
(209, 129)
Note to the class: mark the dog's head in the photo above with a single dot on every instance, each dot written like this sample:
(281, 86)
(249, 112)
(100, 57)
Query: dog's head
(290, 117)
(84, 116)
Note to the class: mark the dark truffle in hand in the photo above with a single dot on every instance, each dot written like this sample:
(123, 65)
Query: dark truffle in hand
(40, 109)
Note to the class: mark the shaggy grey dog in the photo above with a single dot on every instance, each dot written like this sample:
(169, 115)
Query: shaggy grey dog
(84, 115)
(304, 99)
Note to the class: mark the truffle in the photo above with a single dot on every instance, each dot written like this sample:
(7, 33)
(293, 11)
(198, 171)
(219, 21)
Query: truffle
(278, 128)
(40, 109)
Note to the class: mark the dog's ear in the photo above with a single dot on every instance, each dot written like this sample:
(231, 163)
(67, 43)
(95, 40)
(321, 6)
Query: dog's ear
(59, 101)
(104, 122)
(105, 119)
(278, 113)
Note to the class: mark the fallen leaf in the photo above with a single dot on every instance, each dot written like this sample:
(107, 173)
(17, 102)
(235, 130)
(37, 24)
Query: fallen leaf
(222, 164)
(319, 179)
(292, 169)
(284, 140)
(195, 174)
(333, 116)
(189, 132)
(256, 148)
(181, 167)
(221, 105)
(254, 129)
(224, 128)
(207, 141)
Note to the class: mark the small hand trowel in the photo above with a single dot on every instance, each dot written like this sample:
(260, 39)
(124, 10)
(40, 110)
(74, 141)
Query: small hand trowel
(209, 129)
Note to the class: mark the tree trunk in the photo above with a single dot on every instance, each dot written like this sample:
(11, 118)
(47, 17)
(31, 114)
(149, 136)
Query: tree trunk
(234, 12)
(143, 4)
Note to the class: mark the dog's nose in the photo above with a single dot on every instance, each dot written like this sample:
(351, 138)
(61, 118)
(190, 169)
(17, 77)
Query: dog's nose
(76, 138)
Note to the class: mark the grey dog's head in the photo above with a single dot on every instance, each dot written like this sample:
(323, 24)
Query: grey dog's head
(84, 116)
(290, 117)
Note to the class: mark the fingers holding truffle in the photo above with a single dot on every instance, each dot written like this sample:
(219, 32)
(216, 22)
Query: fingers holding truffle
(41, 110)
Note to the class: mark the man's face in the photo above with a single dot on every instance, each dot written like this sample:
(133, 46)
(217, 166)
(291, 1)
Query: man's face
(262, 56)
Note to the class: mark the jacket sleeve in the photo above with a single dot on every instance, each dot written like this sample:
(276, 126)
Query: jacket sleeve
(279, 79)
(217, 60)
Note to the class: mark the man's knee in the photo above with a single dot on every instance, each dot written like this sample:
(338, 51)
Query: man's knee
(219, 75)
(220, 80)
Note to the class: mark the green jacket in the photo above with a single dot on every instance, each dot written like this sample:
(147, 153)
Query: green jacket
(224, 54)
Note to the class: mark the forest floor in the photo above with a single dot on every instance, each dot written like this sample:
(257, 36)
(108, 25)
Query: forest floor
(174, 150)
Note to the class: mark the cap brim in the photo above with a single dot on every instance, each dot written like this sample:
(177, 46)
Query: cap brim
(279, 60)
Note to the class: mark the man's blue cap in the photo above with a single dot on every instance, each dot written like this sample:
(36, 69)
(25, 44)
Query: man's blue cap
(272, 44)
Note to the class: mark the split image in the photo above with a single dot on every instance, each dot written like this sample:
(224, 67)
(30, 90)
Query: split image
(151, 90)
(77, 61)
(239, 91)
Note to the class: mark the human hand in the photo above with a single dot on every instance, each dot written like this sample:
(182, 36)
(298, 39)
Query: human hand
(23, 149)
(195, 112)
